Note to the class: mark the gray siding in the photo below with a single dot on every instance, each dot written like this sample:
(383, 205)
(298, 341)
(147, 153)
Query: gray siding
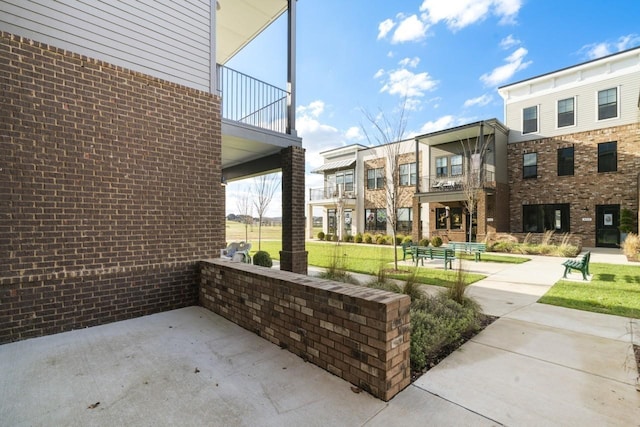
(585, 95)
(164, 38)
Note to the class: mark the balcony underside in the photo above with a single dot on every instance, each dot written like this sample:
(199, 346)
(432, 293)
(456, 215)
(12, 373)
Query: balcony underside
(249, 150)
(447, 196)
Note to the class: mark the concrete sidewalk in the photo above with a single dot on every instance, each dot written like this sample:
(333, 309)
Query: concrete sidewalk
(536, 365)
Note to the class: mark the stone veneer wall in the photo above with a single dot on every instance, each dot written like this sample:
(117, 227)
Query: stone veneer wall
(586, 188)
(356, 333)
(109, 191)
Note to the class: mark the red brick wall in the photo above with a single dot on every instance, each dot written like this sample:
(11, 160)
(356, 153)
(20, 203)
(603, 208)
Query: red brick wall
(356, 333)
(586, 188)
(109, 191)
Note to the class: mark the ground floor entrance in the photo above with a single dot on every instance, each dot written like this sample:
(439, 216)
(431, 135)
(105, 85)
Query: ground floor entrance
(607, 222)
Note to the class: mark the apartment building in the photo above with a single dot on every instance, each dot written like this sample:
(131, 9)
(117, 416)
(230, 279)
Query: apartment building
(574, 148)
(121, 124)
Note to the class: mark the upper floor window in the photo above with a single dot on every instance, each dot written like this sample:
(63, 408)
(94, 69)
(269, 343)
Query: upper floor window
(566, 112)
(565, 161)
(375, 178)
(341, 179)
(442, 166)
(608, 157)
(530, 120)
(530, 165)
(408, 174)
(456, 165)
(607, 104)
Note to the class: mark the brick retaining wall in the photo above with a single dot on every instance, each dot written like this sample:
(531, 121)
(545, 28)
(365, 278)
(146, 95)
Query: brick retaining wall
(356, 333)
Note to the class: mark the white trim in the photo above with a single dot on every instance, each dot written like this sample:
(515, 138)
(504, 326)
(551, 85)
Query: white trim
(618, 98)
(537, 131)
(575, 112)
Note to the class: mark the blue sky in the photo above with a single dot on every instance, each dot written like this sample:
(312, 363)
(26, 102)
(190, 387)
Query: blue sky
(442, 59)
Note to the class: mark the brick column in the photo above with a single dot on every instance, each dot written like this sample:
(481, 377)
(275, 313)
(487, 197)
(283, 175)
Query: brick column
(293, 256)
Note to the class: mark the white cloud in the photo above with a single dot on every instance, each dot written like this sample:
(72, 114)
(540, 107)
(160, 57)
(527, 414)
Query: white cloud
(410, 29)
(354, 133)
(515, 63)
(598, 50)
(458, 14)
(406, 83)
(508, 42)
(379, 73)
(384, 27)
(314, 109)
(410, 62)
(479, 101)
(443, 122)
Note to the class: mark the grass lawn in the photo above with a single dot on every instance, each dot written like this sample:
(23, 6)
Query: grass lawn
(614, 289)
(368, 259)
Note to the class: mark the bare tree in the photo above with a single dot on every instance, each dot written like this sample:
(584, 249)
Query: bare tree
(263, 189)
(245, 211)
(389, 137)
(473, 180)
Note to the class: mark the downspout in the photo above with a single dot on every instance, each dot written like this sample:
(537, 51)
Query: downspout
(291, 69)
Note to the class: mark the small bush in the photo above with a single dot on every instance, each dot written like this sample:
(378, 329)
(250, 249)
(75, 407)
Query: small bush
(424, 242)
(407, 239)
(368, 238)
(335, 238)
(381, 239)
(358, 238)
(347, 238)
(436, 241)
(399, 239)
(321, 235)
(328, 237)
(262, 258)
(631, 247)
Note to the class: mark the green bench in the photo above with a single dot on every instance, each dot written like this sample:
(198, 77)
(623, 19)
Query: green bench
(422, 252)
(407, 249)
(580, 263)
(469, 248)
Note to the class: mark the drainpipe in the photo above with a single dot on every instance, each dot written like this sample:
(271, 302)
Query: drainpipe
(291, 69)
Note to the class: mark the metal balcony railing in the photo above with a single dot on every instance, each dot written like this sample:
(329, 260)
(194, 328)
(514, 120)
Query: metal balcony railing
(332, 192)
(252, 101)
(435, 183)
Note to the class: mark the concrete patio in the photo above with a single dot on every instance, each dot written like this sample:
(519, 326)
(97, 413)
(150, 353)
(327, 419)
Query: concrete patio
(536, 365)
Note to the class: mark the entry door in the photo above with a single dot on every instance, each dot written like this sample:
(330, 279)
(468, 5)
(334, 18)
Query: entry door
(607, 222)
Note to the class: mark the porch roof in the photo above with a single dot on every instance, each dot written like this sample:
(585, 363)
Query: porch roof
(338, 164)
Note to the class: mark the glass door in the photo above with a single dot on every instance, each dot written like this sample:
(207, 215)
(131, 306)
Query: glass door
(607, 222)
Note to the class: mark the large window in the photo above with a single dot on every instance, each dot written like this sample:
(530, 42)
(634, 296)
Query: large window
(608, 157)
(404, 221)
(345, 178)
(530, 120)
(607, 104)
(541, 218)
(530, 165)
(441, 218)
(375, 219)
(456, 165)
(566, 112)
(408, 174)
(375, 178)
(456, 218)
(442, 166)
(565, 161)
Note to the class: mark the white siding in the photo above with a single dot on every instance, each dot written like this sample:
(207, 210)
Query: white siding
(163, 38)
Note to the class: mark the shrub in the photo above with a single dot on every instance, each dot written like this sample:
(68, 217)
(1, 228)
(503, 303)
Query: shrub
(424, 242)
(321, 235)
(436, 241)
(368, 238)
(262, 258)
(407, 239)
(631, 247)
(399, 239)
(334, 238)
(358, 238)
(347, 238)
(381, 239)
(626, 221)
(328, 237)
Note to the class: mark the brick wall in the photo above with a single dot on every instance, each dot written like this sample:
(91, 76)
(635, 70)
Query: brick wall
(109, 191)
(356, 333)
(293, 256)
(583, 190)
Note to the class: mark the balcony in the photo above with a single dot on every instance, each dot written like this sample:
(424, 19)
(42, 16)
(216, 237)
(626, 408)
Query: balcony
(251, 101)
(442, 184)
(333, 193)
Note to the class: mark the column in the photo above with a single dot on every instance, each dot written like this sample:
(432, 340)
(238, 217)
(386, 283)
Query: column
(293, 256)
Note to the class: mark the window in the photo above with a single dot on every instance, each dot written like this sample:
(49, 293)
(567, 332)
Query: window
(408, 174)
(375, 219)
(530, 120)
(375, 178)
(456, 165)
(540, 218)
(345, 178)
(404, 221)
(607, 104)
(530, 165)
(456, 218)
(442, 168)
(565, 161)
(441, 218)
(607, 157)
(331, 221)
(566, 112)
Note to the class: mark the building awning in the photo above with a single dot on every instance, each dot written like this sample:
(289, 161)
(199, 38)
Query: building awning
(339, 164)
